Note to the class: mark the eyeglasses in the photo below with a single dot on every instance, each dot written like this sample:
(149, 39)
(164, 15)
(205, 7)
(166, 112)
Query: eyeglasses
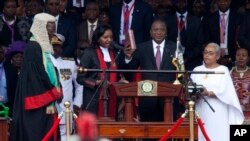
(209, 53)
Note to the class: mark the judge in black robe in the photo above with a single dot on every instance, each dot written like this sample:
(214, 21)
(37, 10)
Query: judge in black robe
(37, 86)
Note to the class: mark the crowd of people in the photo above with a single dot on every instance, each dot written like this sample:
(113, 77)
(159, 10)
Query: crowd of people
(42, 43)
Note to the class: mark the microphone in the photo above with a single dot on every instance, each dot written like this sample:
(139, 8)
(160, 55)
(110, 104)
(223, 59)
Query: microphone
(117, 46)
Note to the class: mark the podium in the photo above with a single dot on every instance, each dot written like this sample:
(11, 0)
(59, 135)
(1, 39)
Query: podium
(131, 129)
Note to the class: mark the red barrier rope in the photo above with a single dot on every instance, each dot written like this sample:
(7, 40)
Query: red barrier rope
(52, 129)
(55, 133)
(200, 123)
(170, 132)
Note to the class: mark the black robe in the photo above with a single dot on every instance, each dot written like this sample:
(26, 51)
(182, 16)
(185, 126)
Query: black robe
(33, 94)
(11, 75)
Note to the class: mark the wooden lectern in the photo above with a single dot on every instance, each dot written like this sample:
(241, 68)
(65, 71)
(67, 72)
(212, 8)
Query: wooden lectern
(131, 129)
(166, 90)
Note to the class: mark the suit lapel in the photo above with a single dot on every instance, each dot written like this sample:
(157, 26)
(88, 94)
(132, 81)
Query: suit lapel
(58, 28)
(166, 55)
(189, 25)
(231, 27)
(85, 32)
(175, 23)
(135, 13)
(217, 26)
(119, 15)
(151, 54)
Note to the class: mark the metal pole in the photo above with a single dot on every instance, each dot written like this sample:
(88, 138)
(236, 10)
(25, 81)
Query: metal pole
(84, 70)
(67, 119)
(105, 96)
(191, 119)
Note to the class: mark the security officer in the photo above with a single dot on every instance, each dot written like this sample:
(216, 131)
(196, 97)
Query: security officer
(67, 71)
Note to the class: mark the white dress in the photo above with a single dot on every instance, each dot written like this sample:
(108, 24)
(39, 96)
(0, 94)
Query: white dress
(226, 104)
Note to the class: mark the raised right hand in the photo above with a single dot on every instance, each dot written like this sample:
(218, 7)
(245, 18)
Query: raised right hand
(128, 51)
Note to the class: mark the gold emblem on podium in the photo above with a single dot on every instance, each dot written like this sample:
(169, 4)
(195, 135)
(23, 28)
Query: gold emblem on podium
(147, 88)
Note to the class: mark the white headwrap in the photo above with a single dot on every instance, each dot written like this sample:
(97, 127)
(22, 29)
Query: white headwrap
(39, 30)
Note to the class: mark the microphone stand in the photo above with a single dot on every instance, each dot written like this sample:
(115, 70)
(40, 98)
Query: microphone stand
(191, 101)
(207, 102)
(105, 86)
(105, 95)
(196, 91)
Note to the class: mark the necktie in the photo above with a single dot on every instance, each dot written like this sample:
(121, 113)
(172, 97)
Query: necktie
(91, 32)
(158, 57)
(126, 19)
(222, 28)
(182, 26)
(182, 23)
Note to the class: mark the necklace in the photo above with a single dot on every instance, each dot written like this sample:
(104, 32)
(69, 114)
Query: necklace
(241, 72)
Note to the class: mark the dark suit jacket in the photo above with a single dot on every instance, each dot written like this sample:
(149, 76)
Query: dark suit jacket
(82, 31)
(192, 39)
(66, 27)
(244, 34)
(141, 20)
(144, 57)
(212, 30)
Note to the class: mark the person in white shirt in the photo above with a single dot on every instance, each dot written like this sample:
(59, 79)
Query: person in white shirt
(72, 92)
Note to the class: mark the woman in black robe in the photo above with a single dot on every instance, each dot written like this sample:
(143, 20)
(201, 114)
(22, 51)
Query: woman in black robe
(101, 55)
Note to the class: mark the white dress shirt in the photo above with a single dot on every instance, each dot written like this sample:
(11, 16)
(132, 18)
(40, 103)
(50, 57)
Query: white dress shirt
(122, 36)
(184, 19)
(162, 44)
(106, 55)
(89, 26)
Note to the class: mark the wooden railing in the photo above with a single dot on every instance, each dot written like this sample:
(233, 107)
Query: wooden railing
(133, 130)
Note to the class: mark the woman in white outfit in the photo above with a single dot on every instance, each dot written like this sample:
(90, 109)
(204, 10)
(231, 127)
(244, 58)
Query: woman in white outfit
(220, 93)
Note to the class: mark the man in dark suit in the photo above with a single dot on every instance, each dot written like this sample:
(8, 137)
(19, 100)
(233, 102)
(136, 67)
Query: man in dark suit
(244, 34)
(155, 54)
(189, 30)
(86, 28)
(131, 14)
(64, 26)
(220, 27)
